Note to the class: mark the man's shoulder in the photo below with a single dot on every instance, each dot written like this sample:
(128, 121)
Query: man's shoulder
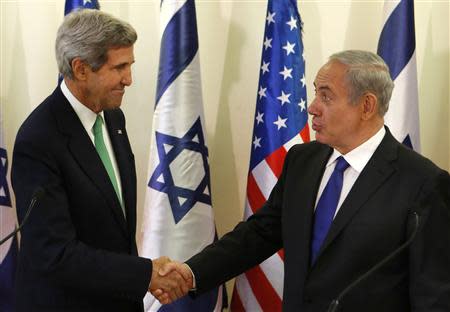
(307, 154)
(408, 163)
(415, 163)
(40, 123)
(308, 149)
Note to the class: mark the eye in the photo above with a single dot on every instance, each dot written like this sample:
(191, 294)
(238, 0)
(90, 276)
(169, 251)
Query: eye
(121, 67)
(324, 96)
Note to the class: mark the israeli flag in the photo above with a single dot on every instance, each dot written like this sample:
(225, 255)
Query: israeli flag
(178, 218)
(397, 46)
(8, 251)
(80, 4)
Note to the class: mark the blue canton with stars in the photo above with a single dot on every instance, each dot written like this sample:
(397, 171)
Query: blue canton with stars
(5, 199)
(181, 199)
(281, 110)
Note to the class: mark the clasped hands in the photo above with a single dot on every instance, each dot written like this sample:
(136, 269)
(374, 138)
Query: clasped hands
(170, 281)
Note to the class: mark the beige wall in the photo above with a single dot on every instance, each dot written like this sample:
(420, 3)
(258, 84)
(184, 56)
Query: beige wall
(230, 34)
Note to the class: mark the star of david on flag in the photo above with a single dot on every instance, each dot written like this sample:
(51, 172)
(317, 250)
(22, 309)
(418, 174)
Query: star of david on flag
(280, 122)
(178, 218)
(183, 192)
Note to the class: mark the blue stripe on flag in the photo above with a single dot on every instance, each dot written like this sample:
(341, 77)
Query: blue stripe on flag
(5, 198)
(397, 41)
(179, 44)
(7, 277)
(407, 142)
(76, 4)
(180, 181)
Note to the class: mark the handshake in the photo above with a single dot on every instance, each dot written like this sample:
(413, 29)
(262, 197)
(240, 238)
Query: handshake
(170, 280)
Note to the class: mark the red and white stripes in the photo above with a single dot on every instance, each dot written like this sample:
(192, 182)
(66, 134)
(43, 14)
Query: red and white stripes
(262, 286)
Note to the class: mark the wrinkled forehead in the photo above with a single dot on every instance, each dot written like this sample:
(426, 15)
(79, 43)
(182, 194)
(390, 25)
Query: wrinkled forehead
(330, 74)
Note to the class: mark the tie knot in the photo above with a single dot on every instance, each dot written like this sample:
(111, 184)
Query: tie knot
(341, 164)
(97, 128)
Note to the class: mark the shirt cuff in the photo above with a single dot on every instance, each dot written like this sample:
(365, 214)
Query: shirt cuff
(194, 284)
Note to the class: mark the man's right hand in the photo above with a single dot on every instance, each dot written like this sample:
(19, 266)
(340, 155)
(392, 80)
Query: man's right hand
(170, 280)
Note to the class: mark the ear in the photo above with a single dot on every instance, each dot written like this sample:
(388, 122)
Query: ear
(369, 106)
(79, 69)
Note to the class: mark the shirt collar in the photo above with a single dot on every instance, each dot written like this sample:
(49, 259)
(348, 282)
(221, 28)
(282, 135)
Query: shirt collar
(360, 156)
(86, 116)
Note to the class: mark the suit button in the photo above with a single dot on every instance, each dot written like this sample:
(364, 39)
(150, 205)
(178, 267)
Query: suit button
(308, 300)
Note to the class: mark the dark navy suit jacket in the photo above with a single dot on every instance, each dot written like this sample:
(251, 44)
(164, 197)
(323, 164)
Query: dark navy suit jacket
(78, 251)
(375, 219)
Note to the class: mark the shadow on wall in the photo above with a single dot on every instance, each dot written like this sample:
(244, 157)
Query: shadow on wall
(434, 96)
(17, 102)
(309, 13)
(139, 101)
(360, 20)
(224, 178)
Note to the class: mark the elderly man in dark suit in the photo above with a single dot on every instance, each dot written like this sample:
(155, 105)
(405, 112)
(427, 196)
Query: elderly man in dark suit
(78, 249)
(342, 204)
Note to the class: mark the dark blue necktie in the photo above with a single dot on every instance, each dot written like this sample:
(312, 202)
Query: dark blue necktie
(326, 207)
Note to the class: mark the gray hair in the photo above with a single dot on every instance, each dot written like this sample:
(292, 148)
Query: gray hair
(367, 72)
(89, 34)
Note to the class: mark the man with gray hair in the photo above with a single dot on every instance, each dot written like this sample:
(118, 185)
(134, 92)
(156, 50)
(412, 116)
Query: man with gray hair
(78, 249)
(344, 203)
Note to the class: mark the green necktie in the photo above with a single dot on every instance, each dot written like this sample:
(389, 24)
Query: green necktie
(104, 156)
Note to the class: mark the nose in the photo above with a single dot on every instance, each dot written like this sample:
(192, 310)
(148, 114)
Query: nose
(127, 80)
(312, 108)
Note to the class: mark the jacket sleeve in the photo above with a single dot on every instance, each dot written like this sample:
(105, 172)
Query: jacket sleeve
(247, 245)
(430, 252)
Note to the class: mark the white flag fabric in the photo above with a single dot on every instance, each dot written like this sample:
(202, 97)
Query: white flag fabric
(178, 218)
(397, 46)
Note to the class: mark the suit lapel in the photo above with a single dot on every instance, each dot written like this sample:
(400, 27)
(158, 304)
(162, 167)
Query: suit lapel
(125, 162)
(305, 197)
(83, 151)
(375, 173)
(309, 193)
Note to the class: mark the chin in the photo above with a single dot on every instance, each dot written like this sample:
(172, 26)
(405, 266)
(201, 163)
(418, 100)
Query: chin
(321, 139)
(114, 105)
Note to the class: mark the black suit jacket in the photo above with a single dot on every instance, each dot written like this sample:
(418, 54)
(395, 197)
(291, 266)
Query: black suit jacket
(375, 219)
(78, 251)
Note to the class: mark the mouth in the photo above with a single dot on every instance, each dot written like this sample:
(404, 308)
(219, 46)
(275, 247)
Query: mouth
(315, 126)
(119, 91)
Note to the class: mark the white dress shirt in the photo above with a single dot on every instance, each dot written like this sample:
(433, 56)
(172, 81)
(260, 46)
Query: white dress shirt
(87, 118)
(357, 159)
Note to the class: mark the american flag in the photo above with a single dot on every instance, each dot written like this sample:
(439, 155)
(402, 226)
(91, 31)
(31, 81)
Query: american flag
(397, 46)
(280, 122)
